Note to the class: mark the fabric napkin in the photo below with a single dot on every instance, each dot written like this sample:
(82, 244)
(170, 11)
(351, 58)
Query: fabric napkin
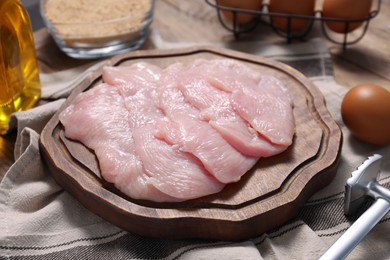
(39, 220)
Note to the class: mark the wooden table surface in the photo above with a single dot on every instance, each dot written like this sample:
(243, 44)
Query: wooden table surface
(195, 21)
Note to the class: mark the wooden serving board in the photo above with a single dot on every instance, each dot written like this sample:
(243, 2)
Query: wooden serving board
(267, 196)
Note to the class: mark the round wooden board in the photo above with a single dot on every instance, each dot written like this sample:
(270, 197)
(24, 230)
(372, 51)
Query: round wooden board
(267, 196)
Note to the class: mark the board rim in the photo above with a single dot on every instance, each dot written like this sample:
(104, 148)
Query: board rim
(142, 214)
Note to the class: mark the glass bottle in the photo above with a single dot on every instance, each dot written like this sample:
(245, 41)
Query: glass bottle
(20, 87)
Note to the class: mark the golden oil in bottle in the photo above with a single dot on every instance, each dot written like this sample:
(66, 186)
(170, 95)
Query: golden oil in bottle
(20, 87)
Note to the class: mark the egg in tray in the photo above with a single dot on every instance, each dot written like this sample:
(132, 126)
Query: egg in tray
(295, 19)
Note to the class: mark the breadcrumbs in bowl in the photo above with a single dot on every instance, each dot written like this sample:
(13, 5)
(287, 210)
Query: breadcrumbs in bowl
(97, 28)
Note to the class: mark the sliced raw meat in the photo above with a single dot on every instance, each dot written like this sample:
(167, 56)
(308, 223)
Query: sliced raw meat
(129, 155)
(97, 118)
(268, 109)
(181, 132)
(227, 74)
(140, 72)
(184, 179)
(201, 140)
(215, 107)
(132, 78)
(253, 97)
(185, 130)
(246, 140)
(173, 172)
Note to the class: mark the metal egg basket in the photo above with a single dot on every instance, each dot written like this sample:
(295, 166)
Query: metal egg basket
(263, 16)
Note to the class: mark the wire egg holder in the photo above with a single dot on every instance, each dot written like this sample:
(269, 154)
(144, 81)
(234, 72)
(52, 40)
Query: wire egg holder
(264, 12)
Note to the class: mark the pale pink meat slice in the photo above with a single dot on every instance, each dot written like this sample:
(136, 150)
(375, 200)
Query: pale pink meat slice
(155, 143)
(178, 174)
(261, 100)
(183, 129)
(215, 107)
(139, 165)
(227, 74)
(172, 171)
(198, 138)
(134, 77)
(268, 109)
(98, 120)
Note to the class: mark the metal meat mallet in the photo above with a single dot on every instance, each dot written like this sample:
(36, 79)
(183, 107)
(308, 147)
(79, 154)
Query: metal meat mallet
(363, 183)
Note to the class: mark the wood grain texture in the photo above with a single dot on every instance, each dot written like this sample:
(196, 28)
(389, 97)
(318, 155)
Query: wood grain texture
(267, 196)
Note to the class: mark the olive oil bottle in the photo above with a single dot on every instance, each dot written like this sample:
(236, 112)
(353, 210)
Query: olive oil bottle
(20, 87)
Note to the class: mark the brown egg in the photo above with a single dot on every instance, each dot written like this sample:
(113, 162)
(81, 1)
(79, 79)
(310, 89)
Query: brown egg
(348, 9)
(300, 7)
(242, 18)
(365, 110)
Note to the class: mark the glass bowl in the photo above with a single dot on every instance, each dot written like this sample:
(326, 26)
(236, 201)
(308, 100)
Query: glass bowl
(94, 29)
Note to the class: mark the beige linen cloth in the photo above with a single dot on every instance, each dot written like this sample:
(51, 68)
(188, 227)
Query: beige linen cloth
(39, 220)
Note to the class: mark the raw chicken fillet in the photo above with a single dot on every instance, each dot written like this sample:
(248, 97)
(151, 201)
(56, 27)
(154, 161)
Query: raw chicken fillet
(181, 132)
